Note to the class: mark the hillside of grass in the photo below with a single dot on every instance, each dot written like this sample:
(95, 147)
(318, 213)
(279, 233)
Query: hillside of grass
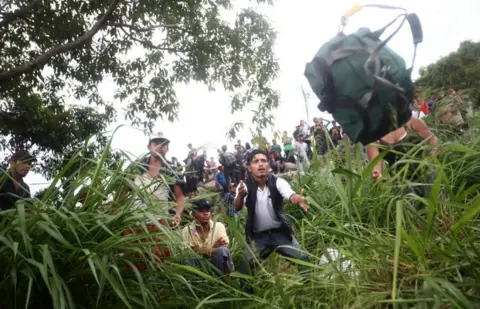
(396, 249)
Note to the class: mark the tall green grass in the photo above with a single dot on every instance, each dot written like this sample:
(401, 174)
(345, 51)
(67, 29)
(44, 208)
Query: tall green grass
(405, 251)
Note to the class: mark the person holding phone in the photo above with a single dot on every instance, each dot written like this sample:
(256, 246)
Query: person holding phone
(267, 228)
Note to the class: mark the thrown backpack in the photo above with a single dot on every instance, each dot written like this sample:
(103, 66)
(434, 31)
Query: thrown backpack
(364, 84)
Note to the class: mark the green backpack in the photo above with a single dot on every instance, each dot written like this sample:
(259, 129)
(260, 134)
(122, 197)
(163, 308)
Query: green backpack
(364, 84)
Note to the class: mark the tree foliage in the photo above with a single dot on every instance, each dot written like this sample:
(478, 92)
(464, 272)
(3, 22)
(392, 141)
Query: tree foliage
(54, 51)
(458, 70)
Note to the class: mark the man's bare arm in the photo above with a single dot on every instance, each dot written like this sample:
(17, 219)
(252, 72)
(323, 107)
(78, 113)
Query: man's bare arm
(372, 153)
(179, 198)
(238, 203)
(419, 126)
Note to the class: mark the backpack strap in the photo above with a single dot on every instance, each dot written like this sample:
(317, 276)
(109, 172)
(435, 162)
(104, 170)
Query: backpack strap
(415, 27)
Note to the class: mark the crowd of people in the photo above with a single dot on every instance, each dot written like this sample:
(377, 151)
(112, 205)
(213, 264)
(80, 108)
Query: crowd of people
(294, 153)
(452, 108)
(245, 178)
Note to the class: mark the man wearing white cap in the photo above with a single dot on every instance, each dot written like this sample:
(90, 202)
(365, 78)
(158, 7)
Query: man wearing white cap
(159, 178)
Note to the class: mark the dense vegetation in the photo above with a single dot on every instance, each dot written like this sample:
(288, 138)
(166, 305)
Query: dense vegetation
(136, 52)
(404, 250)
(458, 70)
(63, 256)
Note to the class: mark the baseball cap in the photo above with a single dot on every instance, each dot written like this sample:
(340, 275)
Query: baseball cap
(159, 138)
(22, 155)
(201, 204)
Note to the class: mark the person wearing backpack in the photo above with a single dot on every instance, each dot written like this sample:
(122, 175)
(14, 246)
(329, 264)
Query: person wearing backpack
(239, 162)
(200, 166)
(400, 142)
(191, 174)
(267, 228)
(228, 160)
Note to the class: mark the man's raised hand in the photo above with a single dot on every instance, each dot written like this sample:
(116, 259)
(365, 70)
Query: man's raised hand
(242, 189)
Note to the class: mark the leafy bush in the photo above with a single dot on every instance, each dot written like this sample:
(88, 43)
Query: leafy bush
(399, 257)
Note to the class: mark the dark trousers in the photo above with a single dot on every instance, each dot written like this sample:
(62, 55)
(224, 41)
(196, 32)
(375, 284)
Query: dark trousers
(309, 149)
(222, 260)
(239, 174)
(264, 243)
(229, 173)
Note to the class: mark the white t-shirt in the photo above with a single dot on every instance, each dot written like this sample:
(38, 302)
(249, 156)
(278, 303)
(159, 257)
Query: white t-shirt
(300, 147)
(265, 217)
(152, 186)
(305, 129)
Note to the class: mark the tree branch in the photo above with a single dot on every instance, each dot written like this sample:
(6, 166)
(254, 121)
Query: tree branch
(19, 13)
(137, 29)
(59, 49)
(150, 45)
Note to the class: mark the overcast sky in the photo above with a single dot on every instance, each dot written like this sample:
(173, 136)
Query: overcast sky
(303, 26)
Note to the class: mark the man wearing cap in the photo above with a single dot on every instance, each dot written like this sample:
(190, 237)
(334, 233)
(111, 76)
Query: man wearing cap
(13, 188)
(267, 228)
(159, 178)
(208, 238)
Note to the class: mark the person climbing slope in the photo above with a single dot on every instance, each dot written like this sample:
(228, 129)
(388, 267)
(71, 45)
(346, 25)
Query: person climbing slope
(267, 228)
(400, 142)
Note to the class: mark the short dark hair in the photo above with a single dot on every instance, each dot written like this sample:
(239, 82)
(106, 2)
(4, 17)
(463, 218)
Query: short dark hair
(254, 153)
(159, 141)
(22, 155)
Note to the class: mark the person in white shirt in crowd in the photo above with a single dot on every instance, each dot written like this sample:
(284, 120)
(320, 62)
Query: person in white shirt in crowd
(305, 135)
(158, 182)
(300, 150)
(267, 228)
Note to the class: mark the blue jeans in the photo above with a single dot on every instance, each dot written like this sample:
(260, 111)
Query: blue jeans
(264, 243)
(222, 260)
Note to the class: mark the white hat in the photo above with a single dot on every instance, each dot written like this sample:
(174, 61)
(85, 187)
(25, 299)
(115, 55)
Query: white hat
(159, 136)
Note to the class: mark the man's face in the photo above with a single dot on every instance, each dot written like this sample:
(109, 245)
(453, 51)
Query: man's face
(232, 188)
(202, 215)
(302, 122)
(157, 147)
(417, 94)
(259, 166)
(21, 168)
(239, 142)
(334, 123)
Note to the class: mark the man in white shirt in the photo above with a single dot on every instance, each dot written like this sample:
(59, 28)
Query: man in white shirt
(267, 228)
(158, 182)
(300, 149)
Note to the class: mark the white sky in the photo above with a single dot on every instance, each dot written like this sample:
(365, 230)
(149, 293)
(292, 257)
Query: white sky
(303, 26)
